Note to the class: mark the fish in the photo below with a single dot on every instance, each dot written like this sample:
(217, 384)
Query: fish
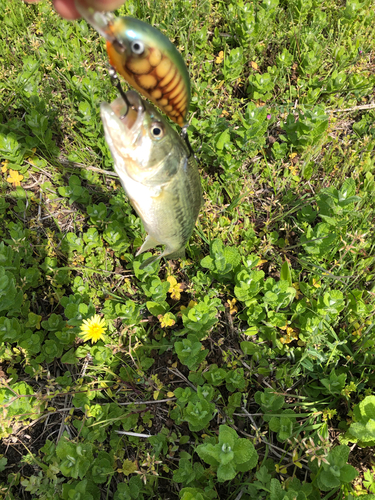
(157, 171)
(147, 59)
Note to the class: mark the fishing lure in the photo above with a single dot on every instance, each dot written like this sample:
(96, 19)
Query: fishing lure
(147, 60)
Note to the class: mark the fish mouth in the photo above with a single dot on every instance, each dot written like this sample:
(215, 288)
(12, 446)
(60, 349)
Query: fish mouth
(123, 118)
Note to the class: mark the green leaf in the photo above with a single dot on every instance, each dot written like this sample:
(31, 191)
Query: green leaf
(244, 451)
(328, 481)
(227, 436)
(223, 139)
(277, 493)
(285, 273)
(75, 458)
(348, 473)
(156, 308)
(226, 472)
(3, 462)
(209, 453)
(70, 357)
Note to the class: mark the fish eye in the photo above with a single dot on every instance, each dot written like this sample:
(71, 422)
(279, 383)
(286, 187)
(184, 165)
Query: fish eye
(157, 130)
(137, 47)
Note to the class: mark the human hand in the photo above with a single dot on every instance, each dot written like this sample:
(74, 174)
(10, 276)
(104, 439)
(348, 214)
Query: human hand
(67, 8)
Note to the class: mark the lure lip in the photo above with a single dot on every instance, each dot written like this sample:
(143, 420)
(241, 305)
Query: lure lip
(101, 21)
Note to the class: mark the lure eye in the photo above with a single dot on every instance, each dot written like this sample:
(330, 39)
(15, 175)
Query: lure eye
(137, 47)
(157, 131)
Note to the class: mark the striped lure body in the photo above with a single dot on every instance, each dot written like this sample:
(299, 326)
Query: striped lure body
(146, 58)
(156, 172)
(151, 64)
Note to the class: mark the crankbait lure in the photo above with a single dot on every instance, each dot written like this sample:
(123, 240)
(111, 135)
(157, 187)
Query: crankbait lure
(147, 60)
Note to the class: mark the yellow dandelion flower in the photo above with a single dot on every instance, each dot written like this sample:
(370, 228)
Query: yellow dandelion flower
(93, 329)
(261, 262)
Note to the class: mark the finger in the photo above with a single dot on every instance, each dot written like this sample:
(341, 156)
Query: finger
(66, 9)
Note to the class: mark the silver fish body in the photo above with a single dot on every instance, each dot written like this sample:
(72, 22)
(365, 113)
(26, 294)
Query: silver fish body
(157, 172)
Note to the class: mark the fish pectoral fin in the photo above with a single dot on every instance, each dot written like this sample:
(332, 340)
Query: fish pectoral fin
(179, 254)
(150, 260)
(149, 242)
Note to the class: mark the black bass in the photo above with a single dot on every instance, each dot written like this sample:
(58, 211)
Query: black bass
(157, 171)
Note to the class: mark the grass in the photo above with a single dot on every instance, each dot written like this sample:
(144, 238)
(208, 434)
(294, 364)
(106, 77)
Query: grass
(251, 364)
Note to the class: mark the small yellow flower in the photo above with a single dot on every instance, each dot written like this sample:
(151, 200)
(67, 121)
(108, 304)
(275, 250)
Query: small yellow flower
(254, 65)
(220, 58)
(4, 166)
(261, 262)
(316, 283)
(175, 288)
(293, 170)
(167, 320)
(232, 308)
(191, 304)
(290, 335)
(93, 329)
(14, 178)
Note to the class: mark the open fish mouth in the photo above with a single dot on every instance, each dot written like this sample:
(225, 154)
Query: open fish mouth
(123, 118)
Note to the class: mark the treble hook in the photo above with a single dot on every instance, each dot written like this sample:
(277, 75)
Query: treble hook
(116, 83)
(185, 137)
